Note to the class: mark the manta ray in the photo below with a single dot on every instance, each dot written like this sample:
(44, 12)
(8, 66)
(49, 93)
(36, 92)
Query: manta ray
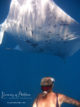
(40, 26)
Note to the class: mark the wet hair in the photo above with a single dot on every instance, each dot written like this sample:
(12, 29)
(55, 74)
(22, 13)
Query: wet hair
(46, 85)
(47, 81)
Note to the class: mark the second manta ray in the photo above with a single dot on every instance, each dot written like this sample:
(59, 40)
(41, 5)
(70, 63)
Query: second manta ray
(40, 26)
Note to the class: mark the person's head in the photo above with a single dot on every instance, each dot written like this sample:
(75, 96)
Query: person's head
(47, 84)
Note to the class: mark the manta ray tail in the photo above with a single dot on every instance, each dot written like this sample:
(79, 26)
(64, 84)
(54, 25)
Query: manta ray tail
(1, 34)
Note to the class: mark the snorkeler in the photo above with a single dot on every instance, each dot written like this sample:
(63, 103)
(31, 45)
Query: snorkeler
(48, 98)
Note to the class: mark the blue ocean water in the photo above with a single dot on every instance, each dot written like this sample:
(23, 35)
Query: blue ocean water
(20, 71)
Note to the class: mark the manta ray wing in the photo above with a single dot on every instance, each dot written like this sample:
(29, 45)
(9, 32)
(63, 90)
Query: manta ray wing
(42, 26)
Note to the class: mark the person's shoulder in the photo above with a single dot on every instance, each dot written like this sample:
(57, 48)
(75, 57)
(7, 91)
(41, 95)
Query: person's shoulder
(60, 94)
(54, 94)
(61, 97)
